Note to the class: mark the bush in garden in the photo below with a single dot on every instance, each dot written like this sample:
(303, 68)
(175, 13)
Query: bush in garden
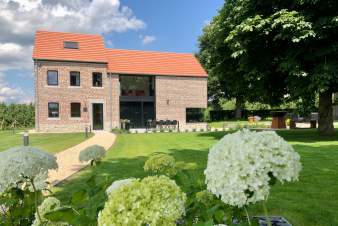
(153, 201)
(204, 197)
(25, 166)
(117, 184)
(49, 205)
(23, 174)
(93, 153)
(242, 166)
(161, 164)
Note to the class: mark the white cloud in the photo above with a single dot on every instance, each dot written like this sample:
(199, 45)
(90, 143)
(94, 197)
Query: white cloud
(13, 94)
(147, 39)
(19, 19)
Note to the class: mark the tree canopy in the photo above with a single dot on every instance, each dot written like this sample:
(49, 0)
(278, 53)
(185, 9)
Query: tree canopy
(265, 51)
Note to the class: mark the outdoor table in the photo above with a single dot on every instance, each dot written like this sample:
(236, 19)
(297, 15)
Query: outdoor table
(278, 119)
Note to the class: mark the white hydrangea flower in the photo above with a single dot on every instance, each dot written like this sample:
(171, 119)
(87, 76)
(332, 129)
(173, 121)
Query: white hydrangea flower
(241, 164)
(152, 201)
(117, 184)
(19, 163)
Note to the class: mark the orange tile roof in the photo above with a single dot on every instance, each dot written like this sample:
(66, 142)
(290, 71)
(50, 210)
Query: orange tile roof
(153, 63)
(49, 46)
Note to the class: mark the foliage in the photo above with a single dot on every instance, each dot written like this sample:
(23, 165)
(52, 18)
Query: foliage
(23, 166)
(161, 164)
(23, 173)
(153, 201)
(16, 116)
(49, 205)
(263, 51)
(204, 208)
(17, 206)
(242, 166)
(93, 153)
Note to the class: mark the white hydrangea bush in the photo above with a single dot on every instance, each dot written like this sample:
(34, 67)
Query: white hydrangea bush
(48, 205)
(119, 183)
(19, 165)
(153, 201)
(241, 165)
(92, 153)
(161, 164)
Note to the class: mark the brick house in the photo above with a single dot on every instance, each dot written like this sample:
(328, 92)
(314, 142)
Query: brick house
(79, 83)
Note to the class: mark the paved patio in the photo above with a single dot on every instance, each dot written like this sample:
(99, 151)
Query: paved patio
(68, 160)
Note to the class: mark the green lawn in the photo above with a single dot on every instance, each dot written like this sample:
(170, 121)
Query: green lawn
(50, 142)
(310, 202)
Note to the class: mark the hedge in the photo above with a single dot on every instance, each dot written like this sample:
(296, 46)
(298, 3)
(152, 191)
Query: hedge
(230, 114)
(16, 116)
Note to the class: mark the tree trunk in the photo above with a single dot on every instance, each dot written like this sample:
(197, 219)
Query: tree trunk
(239, 108)
(325, 122)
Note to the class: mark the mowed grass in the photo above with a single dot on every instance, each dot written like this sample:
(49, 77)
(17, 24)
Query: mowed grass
(49, 142)
(312, 201)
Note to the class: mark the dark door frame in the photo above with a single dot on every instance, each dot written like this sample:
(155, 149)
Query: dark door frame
(100, 119)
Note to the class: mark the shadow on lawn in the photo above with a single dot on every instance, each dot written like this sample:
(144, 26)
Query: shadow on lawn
(304, 202)
(94, 180)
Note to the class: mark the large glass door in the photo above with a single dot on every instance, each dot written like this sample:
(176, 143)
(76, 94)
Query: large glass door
(138, 113)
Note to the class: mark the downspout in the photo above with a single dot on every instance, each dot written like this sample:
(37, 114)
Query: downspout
(110, 101)
(37, 125)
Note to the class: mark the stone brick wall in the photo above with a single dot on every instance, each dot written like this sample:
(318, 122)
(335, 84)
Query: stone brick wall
(175, 94)
(64, 94)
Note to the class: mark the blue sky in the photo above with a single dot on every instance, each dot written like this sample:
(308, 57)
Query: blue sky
(176, 24)
(172, 25)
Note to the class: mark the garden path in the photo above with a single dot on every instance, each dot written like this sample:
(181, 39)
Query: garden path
(68, 160)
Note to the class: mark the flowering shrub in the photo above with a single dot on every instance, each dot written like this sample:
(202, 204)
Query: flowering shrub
(242, 165)
(155, 200)
(204, 197)
(161, 164)
(23, 174)
(48, 205)
(93, 153)
(21, 166)
(117, 184)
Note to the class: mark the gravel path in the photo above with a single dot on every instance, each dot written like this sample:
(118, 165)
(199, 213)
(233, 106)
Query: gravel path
(68, 160)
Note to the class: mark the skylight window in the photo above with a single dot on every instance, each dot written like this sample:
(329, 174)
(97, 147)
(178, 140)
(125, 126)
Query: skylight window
(71, 45)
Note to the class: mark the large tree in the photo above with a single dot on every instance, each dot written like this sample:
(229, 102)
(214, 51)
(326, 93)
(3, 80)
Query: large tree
(269, 49)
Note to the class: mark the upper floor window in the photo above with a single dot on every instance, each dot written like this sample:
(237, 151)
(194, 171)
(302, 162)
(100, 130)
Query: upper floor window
(52, 78)
(75, 110)
(74, 78)
(53, 110)
(70, 45)
(97, 79)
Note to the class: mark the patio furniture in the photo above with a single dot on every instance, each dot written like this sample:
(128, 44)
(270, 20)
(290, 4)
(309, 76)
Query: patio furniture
(175, 124)
(160, 124)
(313, 119)
(167, 124)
